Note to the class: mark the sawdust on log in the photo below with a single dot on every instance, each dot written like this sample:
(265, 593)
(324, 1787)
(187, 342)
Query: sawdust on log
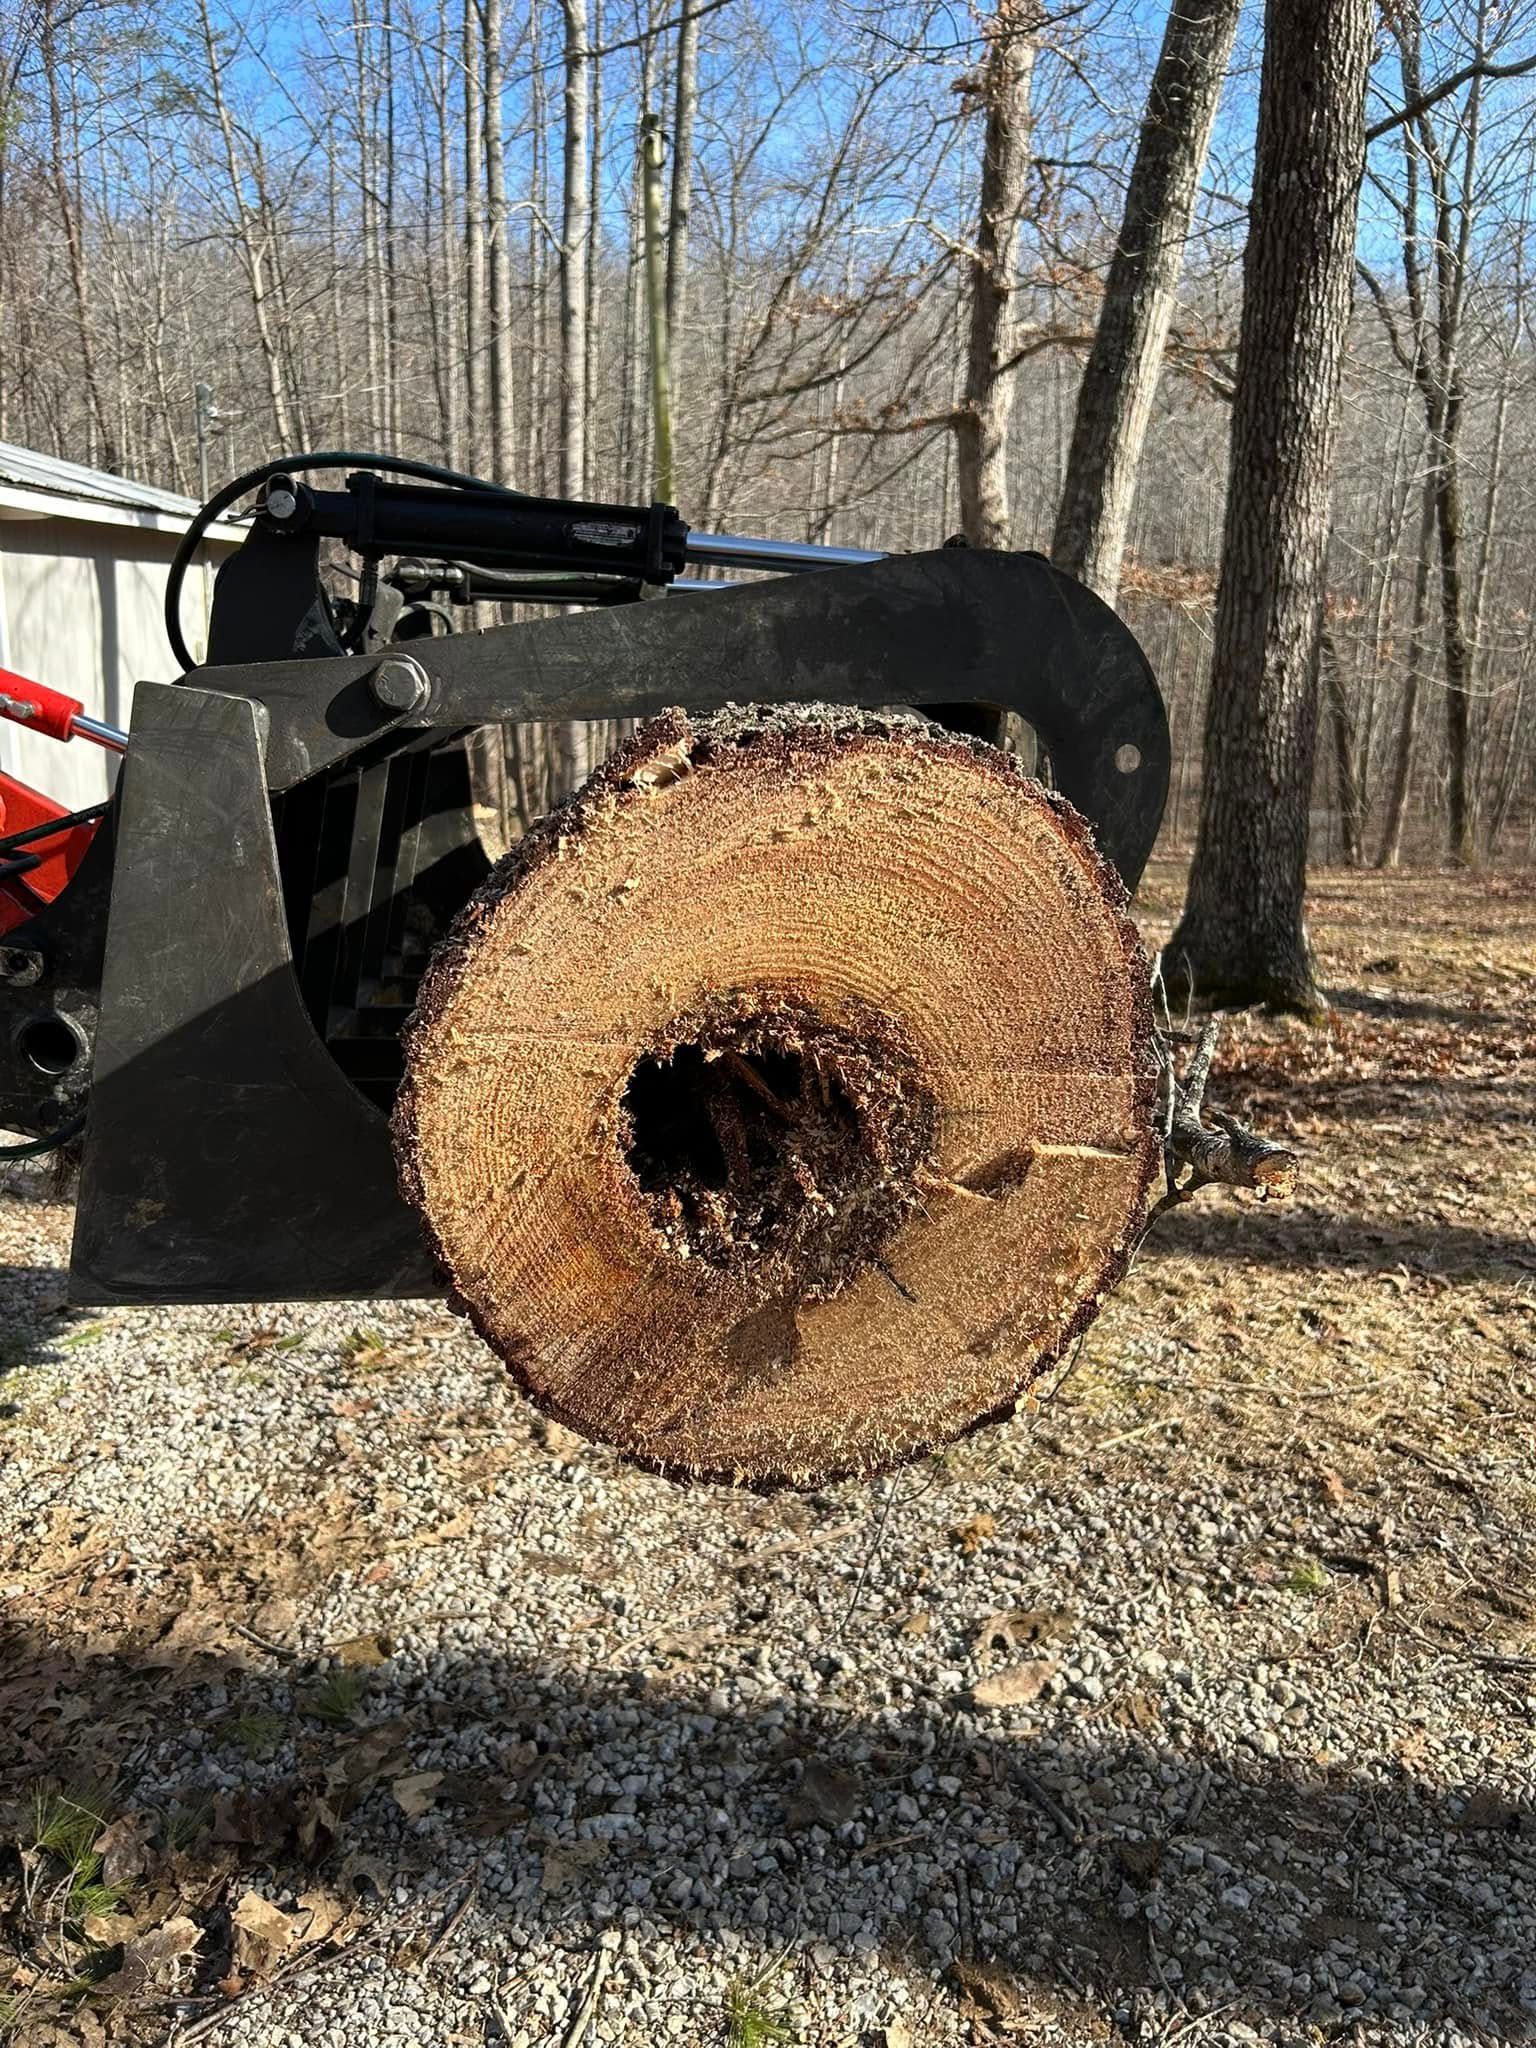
(783, 1104)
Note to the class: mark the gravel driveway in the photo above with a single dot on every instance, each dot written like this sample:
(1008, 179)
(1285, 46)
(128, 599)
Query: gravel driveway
(1197, 1706)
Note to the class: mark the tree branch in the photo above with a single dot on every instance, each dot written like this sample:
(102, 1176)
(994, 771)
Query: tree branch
(1230, 1155)
(1434, 94)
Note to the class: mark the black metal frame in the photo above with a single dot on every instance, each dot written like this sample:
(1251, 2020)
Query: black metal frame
(235, 1149)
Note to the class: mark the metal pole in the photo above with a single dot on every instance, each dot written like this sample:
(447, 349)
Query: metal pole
(112, 737)
(741, 551)
(656, 304)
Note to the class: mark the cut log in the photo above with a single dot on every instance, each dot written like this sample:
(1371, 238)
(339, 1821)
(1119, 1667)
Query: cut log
(784, 1104)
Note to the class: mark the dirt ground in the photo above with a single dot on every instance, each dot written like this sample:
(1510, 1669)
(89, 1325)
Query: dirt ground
(1266, 1558)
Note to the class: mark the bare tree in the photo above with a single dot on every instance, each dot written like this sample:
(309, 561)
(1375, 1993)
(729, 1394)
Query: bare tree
(499, 264)
(1002, 85)
(575, 254)
(1114, 401)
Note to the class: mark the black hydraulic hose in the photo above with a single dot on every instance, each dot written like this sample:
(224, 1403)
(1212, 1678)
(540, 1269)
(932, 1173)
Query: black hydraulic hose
(39, 1148)
(332, 458)
(9, 841)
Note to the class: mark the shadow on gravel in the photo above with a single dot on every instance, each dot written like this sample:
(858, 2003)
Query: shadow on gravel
(1083, 1862)
(1307, 1237)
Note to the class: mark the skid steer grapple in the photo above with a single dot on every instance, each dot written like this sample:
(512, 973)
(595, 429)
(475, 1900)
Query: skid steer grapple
(208, 984)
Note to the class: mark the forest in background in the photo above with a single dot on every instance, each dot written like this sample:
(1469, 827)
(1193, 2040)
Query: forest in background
(383, 226)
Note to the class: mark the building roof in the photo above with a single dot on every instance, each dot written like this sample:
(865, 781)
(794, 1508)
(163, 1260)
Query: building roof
(45, 486)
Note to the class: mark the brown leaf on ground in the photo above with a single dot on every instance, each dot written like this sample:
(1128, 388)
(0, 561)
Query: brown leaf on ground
(1021, 1628)
(120, 1845)
(262, 1933)
(1138, 1710)
(1334, 1491)
(203, 1628)
(361, 1652)
(990, 1991)
(970, 1536)
(1487, 1809)
(416, 1794)
(917, 1623)
(562, 1865)
(153, 1960)
(330, 1919)
(1019, 1686)
(825, 1797)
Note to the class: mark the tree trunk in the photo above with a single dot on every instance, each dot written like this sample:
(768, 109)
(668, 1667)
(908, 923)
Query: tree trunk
(1114, 400)
(575, 253)
(684, 109)
(499, 255)
(1458, 651)
(69, 221)
(1407, 730)
(986, 408)
(1242, 938)
(475, 379)
(1346, 773)
(822, 1174)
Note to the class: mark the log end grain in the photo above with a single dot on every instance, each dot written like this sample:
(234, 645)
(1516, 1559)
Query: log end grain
(783, 1104)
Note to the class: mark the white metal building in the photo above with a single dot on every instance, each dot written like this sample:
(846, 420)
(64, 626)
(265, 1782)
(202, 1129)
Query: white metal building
(83, 561)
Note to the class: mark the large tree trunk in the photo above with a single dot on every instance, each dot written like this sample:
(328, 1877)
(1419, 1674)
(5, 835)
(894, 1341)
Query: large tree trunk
(1114, 401)
(820, 1174)
(982, 418)
(1242, 938)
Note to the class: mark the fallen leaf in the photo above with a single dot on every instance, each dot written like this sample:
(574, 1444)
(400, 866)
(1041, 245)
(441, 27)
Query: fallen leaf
(201, 1629)
(1333, 1487)
(319, 1830)
(1019, 1686)
(917, 1623)
(1139, 1860)
(895, 2034)
(1487, 1809)
(415, 1794)
(379, 1753)
(276, 1619)
(971, 1535)
(153, 1961)
(562, 1865)
(1137, 1710)
(262, 1932)
(120, 1845)
(825, 1797)
(327, 1918)
(359, 1652)
(1021, 1628)
(990, 1990)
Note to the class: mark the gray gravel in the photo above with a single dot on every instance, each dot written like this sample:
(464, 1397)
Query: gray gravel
(687, 1737)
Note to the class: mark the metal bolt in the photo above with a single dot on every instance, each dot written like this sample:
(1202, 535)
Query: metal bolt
(400, 684)
(281, 502)
(20, 966)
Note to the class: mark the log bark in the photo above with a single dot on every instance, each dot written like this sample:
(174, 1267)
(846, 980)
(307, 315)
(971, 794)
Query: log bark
(785, 1103)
